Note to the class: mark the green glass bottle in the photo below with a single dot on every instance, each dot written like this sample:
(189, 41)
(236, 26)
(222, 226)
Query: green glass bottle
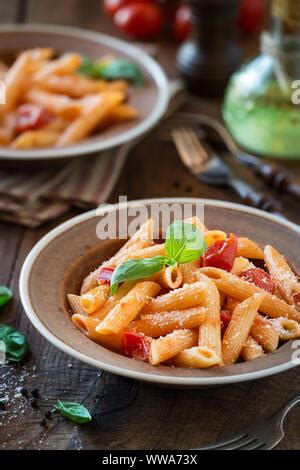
(262, 101)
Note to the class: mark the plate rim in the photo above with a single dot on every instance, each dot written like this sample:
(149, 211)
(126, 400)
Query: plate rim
(157, 74)
(141, 376)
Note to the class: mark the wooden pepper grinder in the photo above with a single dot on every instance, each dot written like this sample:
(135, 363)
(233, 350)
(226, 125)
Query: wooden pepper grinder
(208, 59)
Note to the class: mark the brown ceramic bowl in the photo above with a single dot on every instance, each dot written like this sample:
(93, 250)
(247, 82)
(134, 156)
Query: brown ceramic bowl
(150, 100)
(59, 262)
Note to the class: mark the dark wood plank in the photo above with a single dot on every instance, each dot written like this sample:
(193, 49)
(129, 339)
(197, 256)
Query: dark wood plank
(127, 414)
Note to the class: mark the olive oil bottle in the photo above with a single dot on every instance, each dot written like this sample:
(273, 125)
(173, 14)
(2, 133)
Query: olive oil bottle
(262, 101)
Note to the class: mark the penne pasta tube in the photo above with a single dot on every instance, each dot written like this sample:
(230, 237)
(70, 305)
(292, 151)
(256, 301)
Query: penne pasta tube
(113, 300)
(197, 222)
(264, 333)
(249, 249)
(164, 323)
(87, 325)
(251, 349)
(231, 304)
(210, 329)
(213, 236)
(286, 280)
(77, 86)
(189, 271)
(238, 329)
(35, 139)
(94, 299)
(128, 308)
(74, 301)
(198, 357)
(120, 114)
(14, 79)
(188, 296)
(91, 116)
(286, 328)
(241, 264)
(148, 252)
(66, 64)
(58, 104)
(240, 289)
(169, 277)
(166, 347)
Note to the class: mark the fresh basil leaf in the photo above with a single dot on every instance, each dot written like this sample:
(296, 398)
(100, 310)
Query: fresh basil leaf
(5, 295)
(122, 68)
(75, 412)
(134, 269)
(16, 345)
(90, 68)
(184, 242)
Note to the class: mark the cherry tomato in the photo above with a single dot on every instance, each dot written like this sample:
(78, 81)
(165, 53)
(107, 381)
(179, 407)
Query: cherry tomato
(105, 275)
(30, 116)
(252, 15)
(112, 6)
(142, 20)
(260, 278)
(225, 316)
(221, 254)
(182, 24)
(136, 345)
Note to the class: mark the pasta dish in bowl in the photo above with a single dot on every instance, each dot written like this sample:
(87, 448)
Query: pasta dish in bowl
(205, 306)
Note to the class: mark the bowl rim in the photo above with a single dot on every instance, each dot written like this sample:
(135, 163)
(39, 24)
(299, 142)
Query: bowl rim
(142, 376)
(86, 147)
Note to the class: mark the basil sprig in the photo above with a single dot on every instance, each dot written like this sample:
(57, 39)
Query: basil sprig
(15, 343)
(184, 243)
(75, 412)
(112, 70)
(5, 295)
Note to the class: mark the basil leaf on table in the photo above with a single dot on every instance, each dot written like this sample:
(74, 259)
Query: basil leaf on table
(75, 412)
(184, 242)
(134, 269)
(5, 295)
(15, 343)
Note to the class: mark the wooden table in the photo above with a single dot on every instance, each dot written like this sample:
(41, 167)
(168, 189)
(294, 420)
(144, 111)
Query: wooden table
(129, 414)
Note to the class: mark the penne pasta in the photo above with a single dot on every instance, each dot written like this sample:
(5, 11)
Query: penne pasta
(169, 277)
(251, 350)
(166, 347)
(264, 333)
(210, 329)
(113, 300)
(188, 296)
(91, 116)
(241, 264)
(238, 288)
(87, 325)
(189, 271)
(94, 299)
(286, 280)
(249, 249)
(128, 308)
(213, 236)
(58, 104)
(164, 323)
(66, 64)
(75, 304)
(286, 328)
(238, 330)
(198, 357)
(35, 139)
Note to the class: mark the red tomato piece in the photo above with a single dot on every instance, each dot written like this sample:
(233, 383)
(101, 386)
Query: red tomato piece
(142, 20)
(252, 15)
(31, 117)
(112, 6)
(260, 278)
(221, 254)
(105, 275)
(136, 345)
(182, 23)
(225, 316)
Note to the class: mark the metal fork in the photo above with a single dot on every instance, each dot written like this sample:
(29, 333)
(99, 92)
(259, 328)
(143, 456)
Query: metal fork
(208, 167)
(262, 434)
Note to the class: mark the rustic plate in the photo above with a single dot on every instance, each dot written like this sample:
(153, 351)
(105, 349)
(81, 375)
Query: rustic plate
(150, 100)
(59, 262)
